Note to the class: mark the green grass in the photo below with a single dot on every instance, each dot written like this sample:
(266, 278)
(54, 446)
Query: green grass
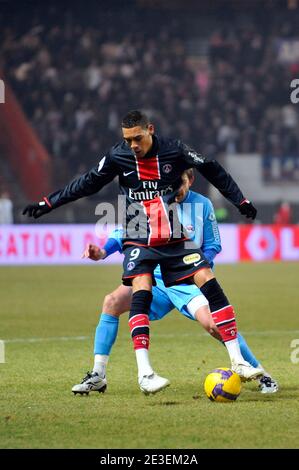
(38, 410)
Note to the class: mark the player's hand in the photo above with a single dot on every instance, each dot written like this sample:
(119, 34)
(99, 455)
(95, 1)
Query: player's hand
(37, 209)
(93, 252)
(247, 208)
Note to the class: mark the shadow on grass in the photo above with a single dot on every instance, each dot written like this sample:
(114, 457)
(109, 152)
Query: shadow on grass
(282, 389)
(167, 403)
(282, 394)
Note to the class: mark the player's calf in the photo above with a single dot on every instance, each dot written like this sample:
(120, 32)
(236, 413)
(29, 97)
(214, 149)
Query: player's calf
(222, 312)
(138, 319)
(139, 327)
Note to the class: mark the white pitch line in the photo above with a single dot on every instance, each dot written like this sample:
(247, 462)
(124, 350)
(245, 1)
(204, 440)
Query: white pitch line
(269, 333)
(51, 338)
(163, 335)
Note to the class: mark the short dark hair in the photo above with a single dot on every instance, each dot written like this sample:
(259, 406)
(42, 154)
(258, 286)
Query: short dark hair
(135, 118)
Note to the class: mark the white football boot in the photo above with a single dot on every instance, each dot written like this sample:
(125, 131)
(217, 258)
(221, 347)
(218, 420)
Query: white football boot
(268, 385)
(152, 383)
(247, 371)
(92, 382)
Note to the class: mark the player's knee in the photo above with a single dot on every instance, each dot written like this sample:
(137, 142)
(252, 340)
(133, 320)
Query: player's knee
(203, 276)
(142, 283)
(112, 305)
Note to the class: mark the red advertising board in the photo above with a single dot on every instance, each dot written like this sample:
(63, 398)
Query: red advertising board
(268, 242)
(63, 244)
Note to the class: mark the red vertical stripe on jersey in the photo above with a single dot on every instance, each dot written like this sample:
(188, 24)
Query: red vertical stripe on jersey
(148, 168)
(160, 230)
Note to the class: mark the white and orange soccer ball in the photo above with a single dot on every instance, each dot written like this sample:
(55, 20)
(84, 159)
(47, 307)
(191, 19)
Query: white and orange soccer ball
(222, 385)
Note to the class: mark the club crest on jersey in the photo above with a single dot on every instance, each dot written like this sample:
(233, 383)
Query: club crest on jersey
(130, 265)
(167, 168)
(189, 259)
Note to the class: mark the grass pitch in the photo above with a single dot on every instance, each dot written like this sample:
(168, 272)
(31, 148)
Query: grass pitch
(48, 316)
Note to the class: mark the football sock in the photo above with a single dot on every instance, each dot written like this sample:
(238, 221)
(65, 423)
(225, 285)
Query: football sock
(224, 317)
(246, 352)
(105, 336)
(233, 349)
(100, 364)
(139, 327)
(222, 312)
(138, 318)
(143, 363)
(265, 372)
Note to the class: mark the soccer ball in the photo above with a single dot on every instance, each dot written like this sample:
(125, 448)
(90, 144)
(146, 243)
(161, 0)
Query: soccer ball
(222, 385)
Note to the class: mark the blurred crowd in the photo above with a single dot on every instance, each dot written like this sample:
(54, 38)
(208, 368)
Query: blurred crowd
(76, 79)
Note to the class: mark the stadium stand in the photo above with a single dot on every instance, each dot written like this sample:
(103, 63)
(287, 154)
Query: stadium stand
(224, 90)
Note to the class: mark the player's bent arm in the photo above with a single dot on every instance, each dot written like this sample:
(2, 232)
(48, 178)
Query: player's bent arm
(211, 244)
(210, 255)
(94, 252)
(114, 242)
(112, 245)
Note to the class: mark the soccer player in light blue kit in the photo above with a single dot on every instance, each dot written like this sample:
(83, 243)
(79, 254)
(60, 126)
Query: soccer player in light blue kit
(197, 216)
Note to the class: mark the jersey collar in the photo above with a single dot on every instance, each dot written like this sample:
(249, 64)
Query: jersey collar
(186, 197)
(154, 148)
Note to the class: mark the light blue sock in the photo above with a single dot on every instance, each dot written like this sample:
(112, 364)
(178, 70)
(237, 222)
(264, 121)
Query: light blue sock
(106, 333)
(246, 352)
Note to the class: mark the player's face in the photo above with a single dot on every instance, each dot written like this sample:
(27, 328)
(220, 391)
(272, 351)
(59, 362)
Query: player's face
(139, 139)
(186, 183)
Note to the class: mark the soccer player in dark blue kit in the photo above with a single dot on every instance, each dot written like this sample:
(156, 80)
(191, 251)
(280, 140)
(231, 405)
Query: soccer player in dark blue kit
(197, 215)
(149, 170)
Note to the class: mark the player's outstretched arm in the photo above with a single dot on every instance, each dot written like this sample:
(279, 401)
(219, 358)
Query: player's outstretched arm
(86, 185)
(224, 182)
(247, 208)
(221, 179)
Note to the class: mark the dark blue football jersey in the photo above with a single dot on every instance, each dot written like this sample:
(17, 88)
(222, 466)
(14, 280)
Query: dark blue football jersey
(149, 186)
